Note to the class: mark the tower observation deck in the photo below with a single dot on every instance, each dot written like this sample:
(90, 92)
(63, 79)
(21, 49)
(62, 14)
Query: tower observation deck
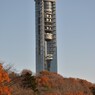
(46, 47)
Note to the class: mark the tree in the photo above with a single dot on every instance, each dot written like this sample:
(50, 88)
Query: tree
(4, 80)
(28, 81)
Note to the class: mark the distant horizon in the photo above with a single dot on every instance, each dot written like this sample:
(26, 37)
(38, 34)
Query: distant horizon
(75, 36)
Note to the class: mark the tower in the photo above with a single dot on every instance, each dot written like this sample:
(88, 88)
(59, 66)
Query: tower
(46, 46)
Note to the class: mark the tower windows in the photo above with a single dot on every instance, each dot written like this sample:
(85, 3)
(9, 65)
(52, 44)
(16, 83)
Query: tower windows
(47, 15)
(48, 5)
(48, 28)
(49, 57)
(50, 20)
(47, 20)
(48, 36)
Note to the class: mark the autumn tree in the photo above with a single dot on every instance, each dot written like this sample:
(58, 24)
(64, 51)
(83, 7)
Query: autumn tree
(4, 80)
(28, 81)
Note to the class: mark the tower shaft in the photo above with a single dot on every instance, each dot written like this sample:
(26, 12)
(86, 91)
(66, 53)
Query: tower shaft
(46, 47)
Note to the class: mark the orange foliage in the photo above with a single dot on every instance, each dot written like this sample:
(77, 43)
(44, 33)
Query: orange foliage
(75, 93)
(4, 80)
(44, 81)
(53, 93)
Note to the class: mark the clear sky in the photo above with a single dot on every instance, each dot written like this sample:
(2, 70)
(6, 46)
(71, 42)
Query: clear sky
(75, 36)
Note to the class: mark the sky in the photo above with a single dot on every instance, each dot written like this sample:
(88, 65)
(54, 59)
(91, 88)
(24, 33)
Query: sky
(75, 36)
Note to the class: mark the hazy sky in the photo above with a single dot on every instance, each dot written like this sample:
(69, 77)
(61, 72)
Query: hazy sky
(75, 36)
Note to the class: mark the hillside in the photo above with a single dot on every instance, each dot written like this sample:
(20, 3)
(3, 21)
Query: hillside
(47, 83)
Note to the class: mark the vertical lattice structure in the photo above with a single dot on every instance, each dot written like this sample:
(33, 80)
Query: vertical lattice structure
(46, 48)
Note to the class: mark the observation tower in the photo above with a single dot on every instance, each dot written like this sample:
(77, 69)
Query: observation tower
(46, 46)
